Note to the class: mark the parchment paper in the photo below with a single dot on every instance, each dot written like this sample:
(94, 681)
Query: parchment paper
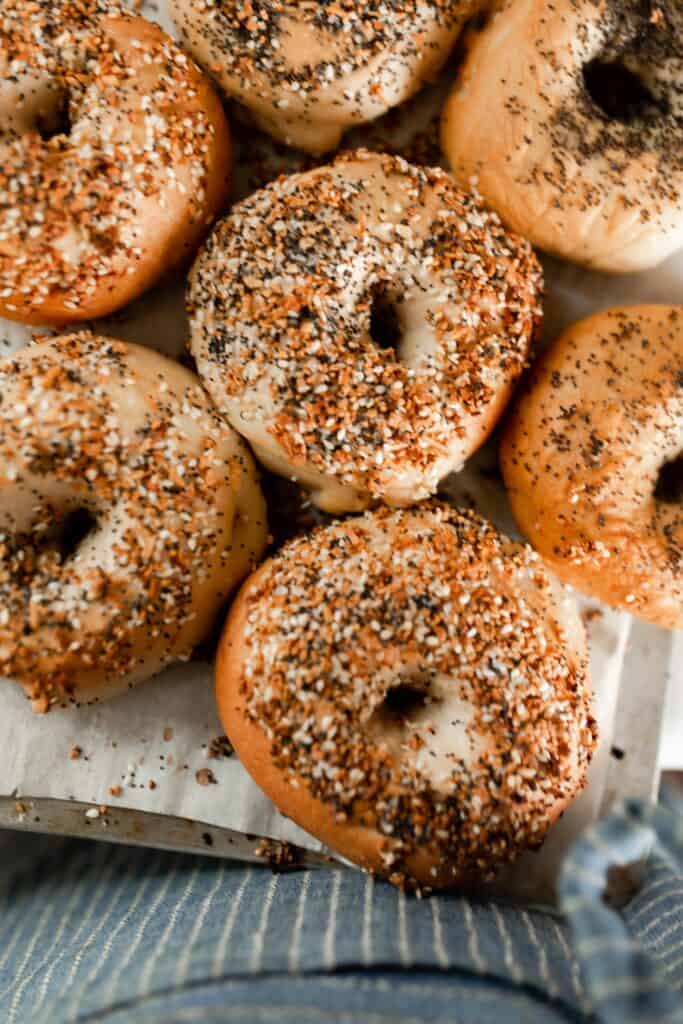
(152, 742)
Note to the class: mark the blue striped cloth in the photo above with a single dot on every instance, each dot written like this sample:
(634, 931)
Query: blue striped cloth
(632, 963)
(96, 933)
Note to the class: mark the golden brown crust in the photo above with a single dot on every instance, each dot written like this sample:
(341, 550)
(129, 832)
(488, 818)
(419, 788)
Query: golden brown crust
(285, 346)
(410, 687)
(585, 158)
(102, 206)
(309, 71)
(128, 512)
(582, 455)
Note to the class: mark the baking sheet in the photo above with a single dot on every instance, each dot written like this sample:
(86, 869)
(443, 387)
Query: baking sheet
(144, 756)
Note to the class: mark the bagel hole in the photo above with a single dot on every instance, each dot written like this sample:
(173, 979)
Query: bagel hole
(385, 327)
(405, 700)
(669, 486)
(72, 530)
(56, 120)
(620, 93)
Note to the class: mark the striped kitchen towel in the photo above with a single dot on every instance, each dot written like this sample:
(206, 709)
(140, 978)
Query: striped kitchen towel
(96, 933)
(632, 962)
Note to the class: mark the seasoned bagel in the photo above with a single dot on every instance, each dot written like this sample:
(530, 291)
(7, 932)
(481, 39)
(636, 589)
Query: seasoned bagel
(568, 116)
(307, 72)
(410, 687)
(592, 459)
(114, 158)
(363, 326)
(128, 512)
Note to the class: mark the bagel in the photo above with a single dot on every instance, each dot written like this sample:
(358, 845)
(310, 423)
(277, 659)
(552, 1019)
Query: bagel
(591, 456)
(114, 158)
(585, 158)
(128, 512)
(411, 688)
(307, 72)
